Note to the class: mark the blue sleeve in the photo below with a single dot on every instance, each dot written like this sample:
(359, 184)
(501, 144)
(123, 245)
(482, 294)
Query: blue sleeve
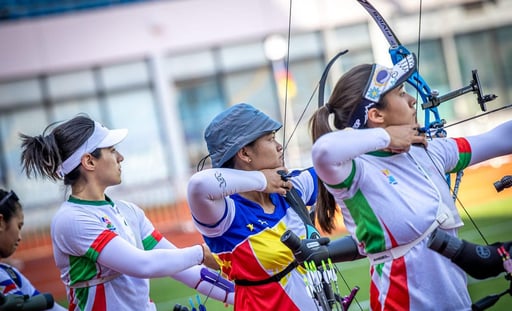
(306, 183)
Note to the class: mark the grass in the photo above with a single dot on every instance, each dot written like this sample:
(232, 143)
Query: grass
(494, 220)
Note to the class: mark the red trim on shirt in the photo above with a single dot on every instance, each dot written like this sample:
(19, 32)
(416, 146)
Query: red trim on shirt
(374, 294)
(463, 144)
(9, 287)
(72, 305)
(157, 235)
(100, 303)
(102, 240)
(398, 291)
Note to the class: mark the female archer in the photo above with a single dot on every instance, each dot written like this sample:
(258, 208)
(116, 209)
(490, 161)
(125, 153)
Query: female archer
(239, 207)
(390, 185)
(106, 249)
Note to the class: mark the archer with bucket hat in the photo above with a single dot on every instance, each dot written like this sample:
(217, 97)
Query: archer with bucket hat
(106, 249)
(390, 185)
(239, 207)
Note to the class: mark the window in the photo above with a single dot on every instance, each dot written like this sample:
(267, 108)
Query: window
(242, 56)
(71, 84)
(142, 148)
(70, 108)
(355, 39)
(504, 59)
(125, 75)
(191, 65)
(20, 93)
(305, 75)
(118, 95)
(432, 68)
(255, 87)
(492, 64)
(33, 191)
(198, 101)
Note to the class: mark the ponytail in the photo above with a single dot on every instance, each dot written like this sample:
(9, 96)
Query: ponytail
(346, 96)
(42, 154)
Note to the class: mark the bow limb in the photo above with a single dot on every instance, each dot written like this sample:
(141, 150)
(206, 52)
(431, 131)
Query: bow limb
(323, 79)
(397, 52)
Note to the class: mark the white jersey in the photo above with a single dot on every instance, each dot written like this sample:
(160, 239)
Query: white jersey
(390, 201)
(78, 243)
(414, 186)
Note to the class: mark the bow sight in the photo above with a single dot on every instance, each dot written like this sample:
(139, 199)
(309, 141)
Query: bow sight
(474, 86)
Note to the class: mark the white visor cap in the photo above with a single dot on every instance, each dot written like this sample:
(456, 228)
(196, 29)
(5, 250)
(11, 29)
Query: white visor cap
(102, 137)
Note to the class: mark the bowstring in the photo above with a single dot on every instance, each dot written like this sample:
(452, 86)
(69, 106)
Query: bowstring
(286, 64)
(453, 191)
(458, 200)
(418, 58)
(479, 115)
(338, 272)
(301, 115)
(287, 141)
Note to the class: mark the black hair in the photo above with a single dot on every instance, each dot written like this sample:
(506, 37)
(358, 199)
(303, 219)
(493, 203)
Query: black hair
(344, 100)
(42, 154)
(9, 204)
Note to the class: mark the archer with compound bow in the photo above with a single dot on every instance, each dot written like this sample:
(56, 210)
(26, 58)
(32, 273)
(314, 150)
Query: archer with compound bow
(430, 98)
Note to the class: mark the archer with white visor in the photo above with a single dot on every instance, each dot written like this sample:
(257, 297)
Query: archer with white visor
(390, 185)
(106, 249)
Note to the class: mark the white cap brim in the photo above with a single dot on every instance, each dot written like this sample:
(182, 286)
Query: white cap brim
(113, 137)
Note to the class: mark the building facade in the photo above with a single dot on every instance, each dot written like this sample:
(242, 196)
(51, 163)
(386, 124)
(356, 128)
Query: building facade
(163, 69)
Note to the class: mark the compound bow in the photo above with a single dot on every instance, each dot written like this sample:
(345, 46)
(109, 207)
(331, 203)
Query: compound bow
(431, 99)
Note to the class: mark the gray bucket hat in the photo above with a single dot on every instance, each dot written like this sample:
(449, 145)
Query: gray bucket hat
(235, 128)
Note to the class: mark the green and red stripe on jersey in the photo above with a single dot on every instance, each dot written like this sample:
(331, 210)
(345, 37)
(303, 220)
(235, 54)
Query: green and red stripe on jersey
(464, 154)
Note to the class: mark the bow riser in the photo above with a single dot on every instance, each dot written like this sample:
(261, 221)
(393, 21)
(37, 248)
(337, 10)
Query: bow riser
(397, 52)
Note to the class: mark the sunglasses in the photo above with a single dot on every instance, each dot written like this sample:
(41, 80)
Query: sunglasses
(10, 195)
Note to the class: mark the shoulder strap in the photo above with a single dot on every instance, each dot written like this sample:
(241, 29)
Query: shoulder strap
(95, 282)
(293, 198)
(12, 274)
(444, 216)
(275, 278)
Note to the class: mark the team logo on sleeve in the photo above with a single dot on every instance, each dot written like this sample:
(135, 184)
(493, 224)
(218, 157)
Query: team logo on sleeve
(108, 223)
